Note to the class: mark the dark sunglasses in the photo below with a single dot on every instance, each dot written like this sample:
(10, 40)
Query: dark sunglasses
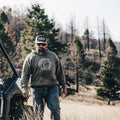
(43, 44)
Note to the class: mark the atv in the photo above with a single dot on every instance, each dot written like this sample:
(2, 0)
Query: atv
(11, 99)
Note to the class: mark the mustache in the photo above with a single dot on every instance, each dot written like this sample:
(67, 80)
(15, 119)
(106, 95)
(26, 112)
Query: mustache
(41, 50)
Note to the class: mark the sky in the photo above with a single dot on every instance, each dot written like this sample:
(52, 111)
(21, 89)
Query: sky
(63, 11)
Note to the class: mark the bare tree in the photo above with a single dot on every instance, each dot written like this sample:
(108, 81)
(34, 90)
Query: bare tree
(99, 37)
(104, 34)
(86, 34)
(72, 28)
(66, 35)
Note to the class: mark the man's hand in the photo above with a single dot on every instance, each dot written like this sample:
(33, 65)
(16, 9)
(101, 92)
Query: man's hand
(25, 93)
(64, 92)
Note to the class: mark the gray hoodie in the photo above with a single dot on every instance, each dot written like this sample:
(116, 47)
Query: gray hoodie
(42, 70)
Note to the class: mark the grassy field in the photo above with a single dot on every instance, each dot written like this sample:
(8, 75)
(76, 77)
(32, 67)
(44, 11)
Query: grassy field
(71, 110)
(85, 106)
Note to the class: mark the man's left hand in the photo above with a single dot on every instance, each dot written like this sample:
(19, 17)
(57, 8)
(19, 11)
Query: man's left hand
(64, 92)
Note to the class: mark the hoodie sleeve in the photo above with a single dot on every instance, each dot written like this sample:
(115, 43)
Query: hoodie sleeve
(26, 71)
(60, 74)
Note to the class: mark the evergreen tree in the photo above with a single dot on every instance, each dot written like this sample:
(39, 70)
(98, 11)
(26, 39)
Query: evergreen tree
(3, 17)
(112, 55)
(88, 75)
(87, 38)
(36, 23)
(110, 87)
(113, 47)
(80, 60)
(80, 51)
(4, 38)
(113, 59)
(6, 41)
(110, 75)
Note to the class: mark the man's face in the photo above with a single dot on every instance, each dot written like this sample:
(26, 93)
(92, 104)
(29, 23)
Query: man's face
(41, 46)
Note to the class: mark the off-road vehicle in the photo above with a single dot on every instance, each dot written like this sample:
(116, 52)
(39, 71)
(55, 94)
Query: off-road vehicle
(11, 99)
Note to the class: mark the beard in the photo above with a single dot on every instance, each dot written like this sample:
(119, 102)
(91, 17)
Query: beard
(41, 51)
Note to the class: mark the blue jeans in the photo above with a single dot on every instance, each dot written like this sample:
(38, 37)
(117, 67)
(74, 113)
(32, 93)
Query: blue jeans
(49, 95)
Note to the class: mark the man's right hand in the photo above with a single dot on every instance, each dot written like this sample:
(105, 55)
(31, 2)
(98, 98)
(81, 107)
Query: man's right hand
(25, 93)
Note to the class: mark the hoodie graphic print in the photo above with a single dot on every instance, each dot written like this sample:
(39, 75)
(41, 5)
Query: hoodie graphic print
(45, 64)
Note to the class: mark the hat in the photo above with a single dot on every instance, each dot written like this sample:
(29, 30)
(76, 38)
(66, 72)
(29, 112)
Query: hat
(41, 39)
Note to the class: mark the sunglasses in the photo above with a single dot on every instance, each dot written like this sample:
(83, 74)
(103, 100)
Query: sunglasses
(43, 44)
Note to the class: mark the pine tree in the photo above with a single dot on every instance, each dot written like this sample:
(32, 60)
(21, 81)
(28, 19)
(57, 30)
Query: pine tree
(6, 41)
(37, 22)
(4, 37)
(80, 50)
(80, 60)
(110, 87)
(110, 75)
(112, 56)
(87, 38)
(113, 47)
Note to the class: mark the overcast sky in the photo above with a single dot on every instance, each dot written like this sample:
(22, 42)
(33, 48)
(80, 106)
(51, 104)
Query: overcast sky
(64, 10)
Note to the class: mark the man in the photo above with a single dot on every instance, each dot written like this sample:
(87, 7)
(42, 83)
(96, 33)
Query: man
(43, 72)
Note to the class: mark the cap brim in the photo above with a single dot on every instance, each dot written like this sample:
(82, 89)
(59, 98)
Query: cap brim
(41, 42)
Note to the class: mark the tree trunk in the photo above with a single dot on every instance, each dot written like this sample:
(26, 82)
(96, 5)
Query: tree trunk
(109, 101)
(99, 48)
(77, 85)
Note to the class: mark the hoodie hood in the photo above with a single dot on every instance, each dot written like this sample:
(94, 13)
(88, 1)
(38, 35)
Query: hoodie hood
(41, 53)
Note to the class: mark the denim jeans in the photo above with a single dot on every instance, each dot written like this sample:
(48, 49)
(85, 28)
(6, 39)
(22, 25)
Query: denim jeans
(49, 95)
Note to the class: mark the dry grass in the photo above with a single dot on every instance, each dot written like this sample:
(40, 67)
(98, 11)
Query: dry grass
(85, 106)
(71, 110)
(77, 111)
